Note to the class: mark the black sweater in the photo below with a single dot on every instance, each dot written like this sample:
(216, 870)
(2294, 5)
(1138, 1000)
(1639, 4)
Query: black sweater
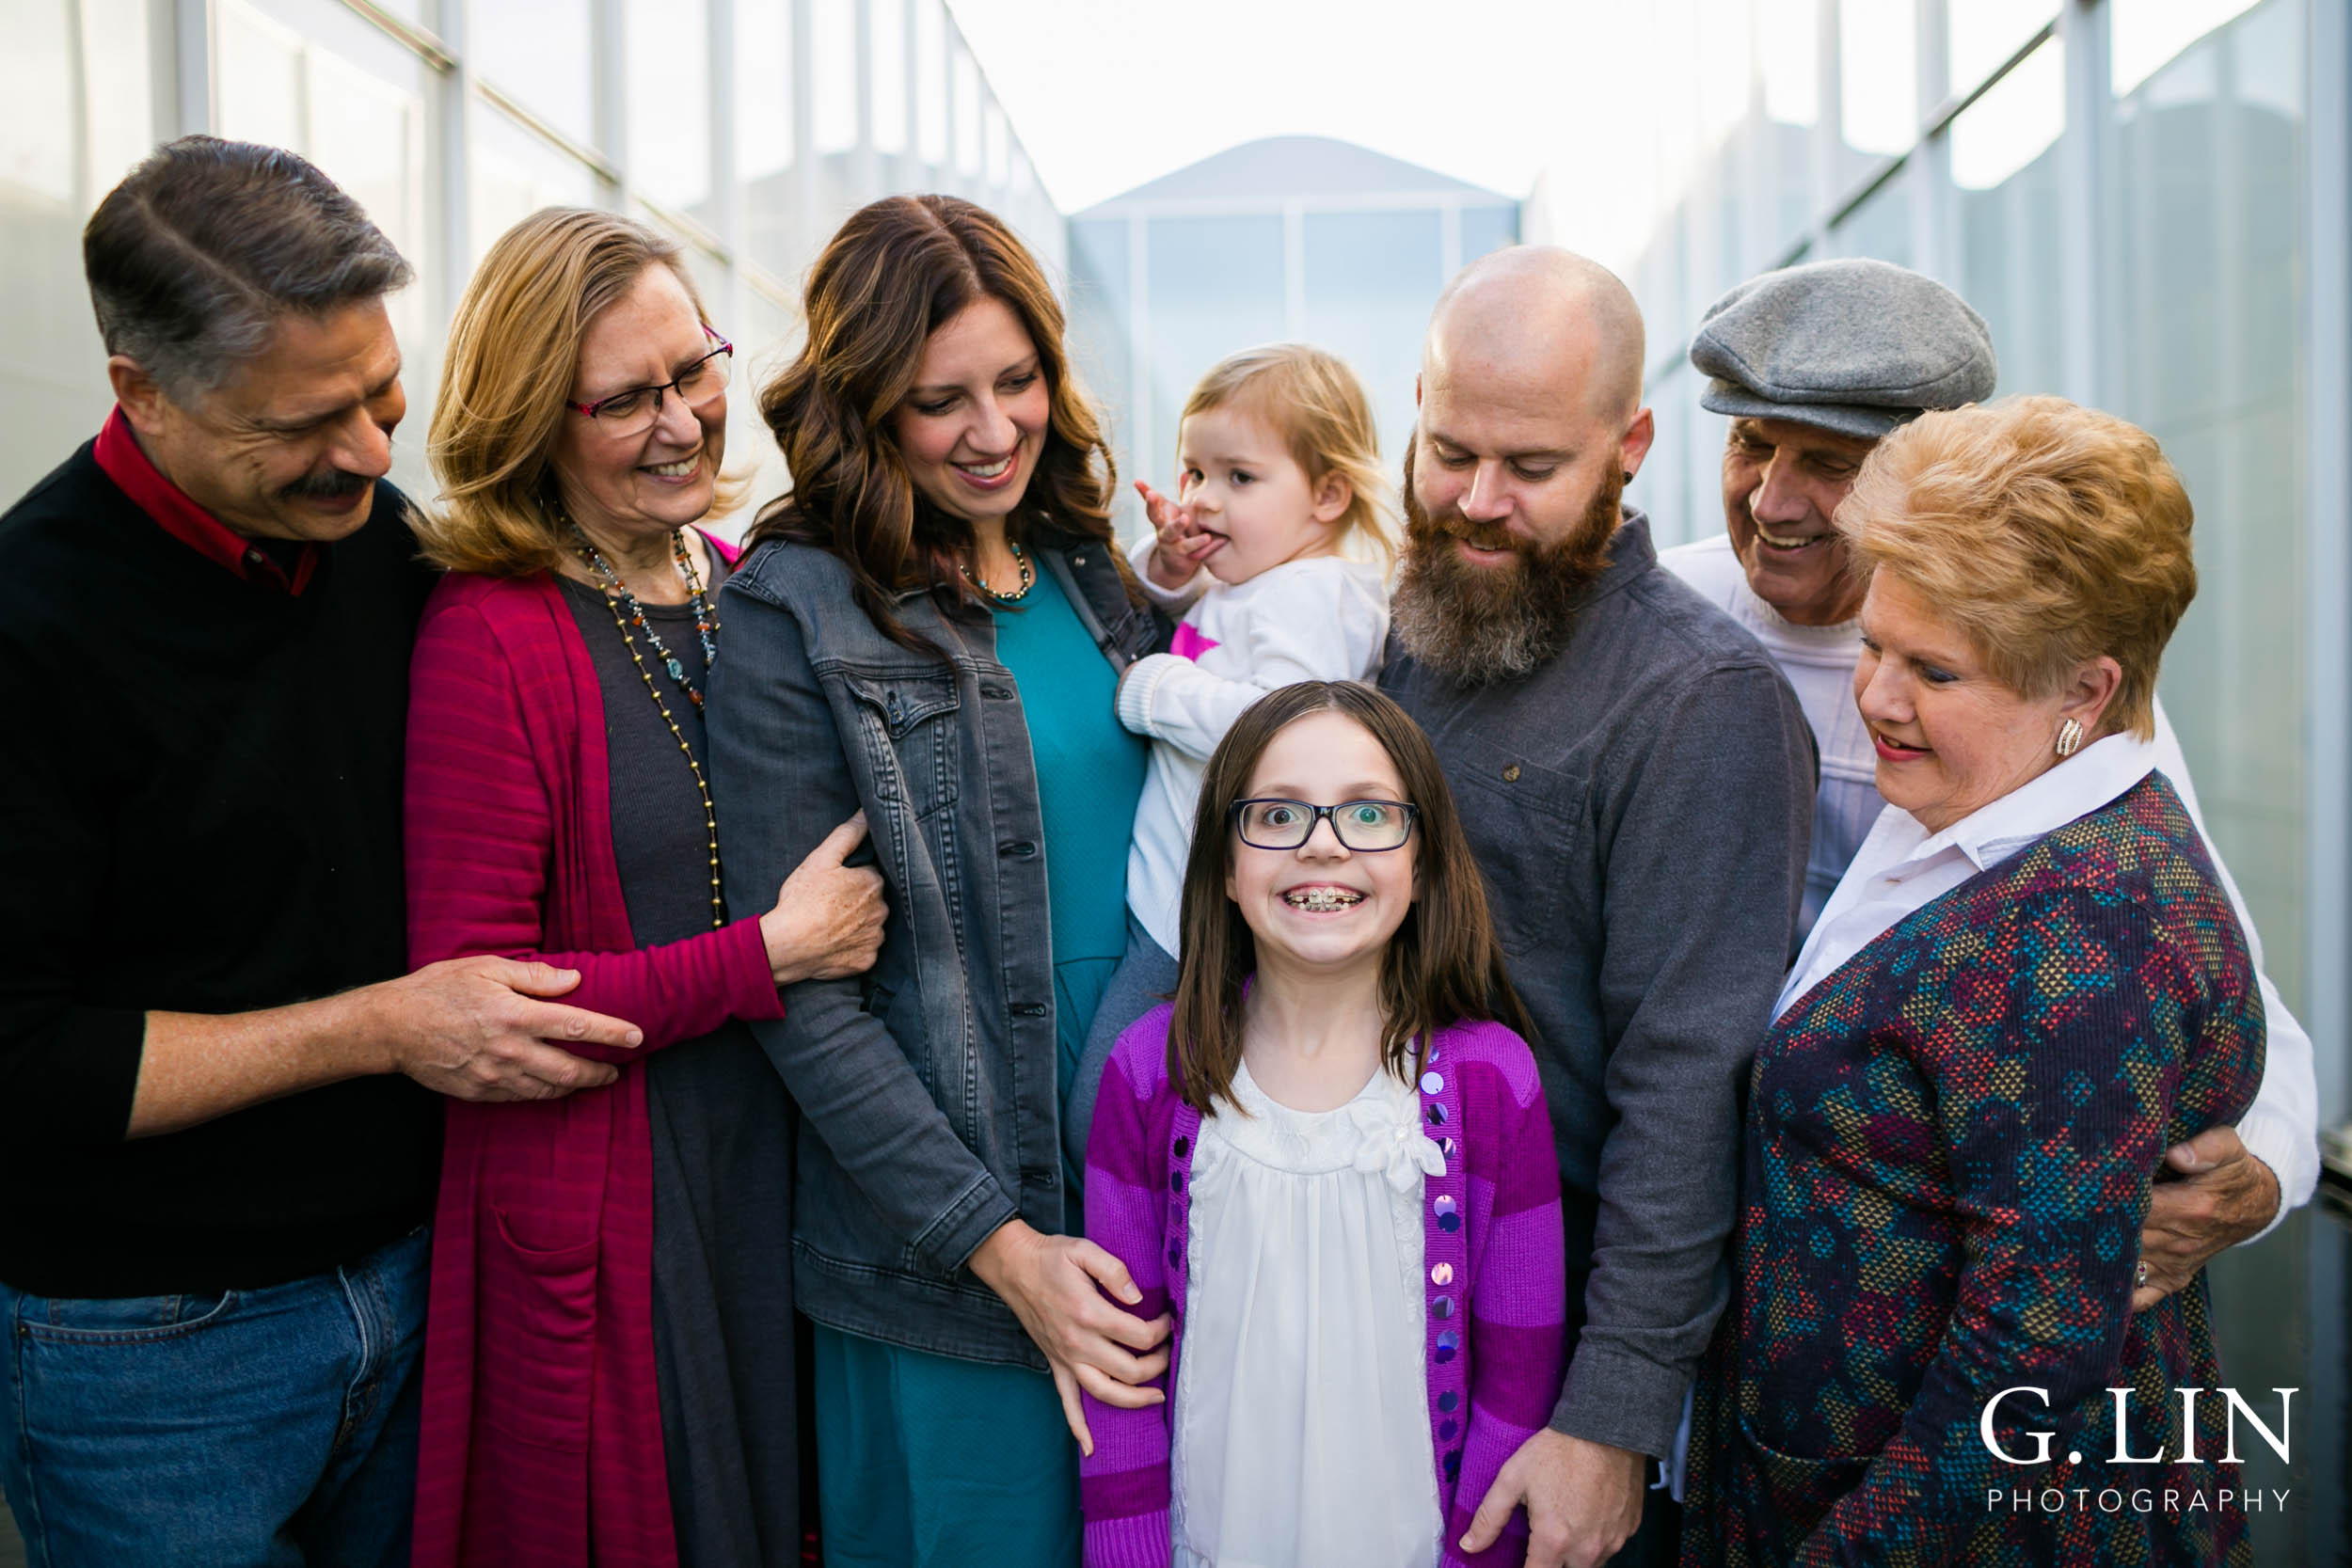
(201, 814)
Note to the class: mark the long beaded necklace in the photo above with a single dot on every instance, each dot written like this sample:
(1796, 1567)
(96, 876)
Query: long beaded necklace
(706, 624)
(615, 594)
(1028, 578)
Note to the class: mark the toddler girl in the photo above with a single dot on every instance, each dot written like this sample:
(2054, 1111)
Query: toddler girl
(1330, 1161)
(1278, 468)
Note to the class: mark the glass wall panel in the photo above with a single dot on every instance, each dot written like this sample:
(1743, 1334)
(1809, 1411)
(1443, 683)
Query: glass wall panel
(53, 383)
(1216, 285)
(669, 102)
(1878, 76)
(995, 136)
(768, 336)
(116, 119)
(833, 71)
(2018, 118)
(1100, 302)
(1788, 55)
(1487, 229)
(763, 132)
(37, 70)
(541, 52)
(2146, 35)
(514, 174)
(325, 78)
(1680, 485)
(2207, 344)
(2005, 168)
(1982, 34)
(968, 90)
(887, 20)
(260, 65)
(931, 82)
(1881, 226)
(2206, 339)
(1371, 278)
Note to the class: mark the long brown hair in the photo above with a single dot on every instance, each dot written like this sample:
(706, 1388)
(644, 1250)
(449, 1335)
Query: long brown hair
(507, 384)
(1442, 965)
(899, 269)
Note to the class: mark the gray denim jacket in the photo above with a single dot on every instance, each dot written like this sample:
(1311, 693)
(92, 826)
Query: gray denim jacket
(928, 1083)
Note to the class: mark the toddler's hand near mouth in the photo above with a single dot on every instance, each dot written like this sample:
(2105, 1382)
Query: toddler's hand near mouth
(1182, 544)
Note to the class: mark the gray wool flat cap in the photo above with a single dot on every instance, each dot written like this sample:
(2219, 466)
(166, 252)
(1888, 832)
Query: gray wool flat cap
(1856, 347)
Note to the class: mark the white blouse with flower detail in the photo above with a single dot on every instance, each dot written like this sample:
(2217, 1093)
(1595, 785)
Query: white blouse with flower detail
(1301, 1419)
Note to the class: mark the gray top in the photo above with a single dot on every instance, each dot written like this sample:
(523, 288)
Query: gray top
(1856, 346)
(722, 1145)
(1640, 806)
(661, 840)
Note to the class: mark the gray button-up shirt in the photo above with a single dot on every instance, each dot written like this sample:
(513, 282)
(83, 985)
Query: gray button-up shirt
(1642, 807)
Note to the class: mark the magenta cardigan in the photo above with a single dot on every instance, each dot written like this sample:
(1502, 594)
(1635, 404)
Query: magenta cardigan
(541, 1431)
(1493, 1276)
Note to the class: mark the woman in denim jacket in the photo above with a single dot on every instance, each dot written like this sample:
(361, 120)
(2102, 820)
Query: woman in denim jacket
(931, 628)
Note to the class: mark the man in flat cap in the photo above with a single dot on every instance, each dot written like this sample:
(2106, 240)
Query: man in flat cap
(1814, 364)
(1636, 779)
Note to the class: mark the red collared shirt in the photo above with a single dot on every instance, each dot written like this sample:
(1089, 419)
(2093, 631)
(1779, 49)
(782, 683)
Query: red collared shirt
(118, 452)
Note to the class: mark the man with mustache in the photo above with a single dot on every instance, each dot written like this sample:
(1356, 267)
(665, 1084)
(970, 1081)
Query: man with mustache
(1814, 364)
(216, 1130)
(1637, 780)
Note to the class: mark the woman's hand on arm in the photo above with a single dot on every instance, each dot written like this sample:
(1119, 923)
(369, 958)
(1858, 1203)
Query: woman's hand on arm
(827, 923)
(1054, 1285)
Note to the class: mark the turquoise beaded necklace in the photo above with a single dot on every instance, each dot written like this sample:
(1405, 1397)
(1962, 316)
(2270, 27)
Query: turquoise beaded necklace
(616, 593)
(706, 624)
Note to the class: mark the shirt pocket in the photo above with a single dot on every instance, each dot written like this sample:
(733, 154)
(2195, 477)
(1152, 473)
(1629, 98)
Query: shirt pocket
(906, 725)
(1525, 824)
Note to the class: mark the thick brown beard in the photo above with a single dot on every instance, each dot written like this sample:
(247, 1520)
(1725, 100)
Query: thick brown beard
(1485, 623)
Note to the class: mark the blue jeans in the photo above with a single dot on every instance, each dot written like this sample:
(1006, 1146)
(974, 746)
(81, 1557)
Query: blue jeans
(237, 1429)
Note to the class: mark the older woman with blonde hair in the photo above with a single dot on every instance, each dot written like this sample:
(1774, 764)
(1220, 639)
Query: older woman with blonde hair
(609, 1351)
(2028, 985)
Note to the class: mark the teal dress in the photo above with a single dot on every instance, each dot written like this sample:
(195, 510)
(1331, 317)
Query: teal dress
(930, 1460)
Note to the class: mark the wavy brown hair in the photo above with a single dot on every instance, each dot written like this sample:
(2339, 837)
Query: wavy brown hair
(1442, 965)
(901, 269)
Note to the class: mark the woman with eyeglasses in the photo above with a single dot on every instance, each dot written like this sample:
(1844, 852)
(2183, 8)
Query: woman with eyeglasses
(610, 1349)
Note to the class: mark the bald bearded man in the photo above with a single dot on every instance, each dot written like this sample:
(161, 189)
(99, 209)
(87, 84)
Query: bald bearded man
(1637, 780)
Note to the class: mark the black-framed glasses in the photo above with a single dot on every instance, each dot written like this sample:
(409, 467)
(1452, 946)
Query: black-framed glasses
(1363, 826)
(634, 411)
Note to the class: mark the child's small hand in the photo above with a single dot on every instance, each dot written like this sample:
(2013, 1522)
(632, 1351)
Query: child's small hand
(1183, 545)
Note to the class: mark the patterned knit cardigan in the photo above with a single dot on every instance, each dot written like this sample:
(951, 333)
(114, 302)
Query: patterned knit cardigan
(1950, 1142)
(1495, 1282)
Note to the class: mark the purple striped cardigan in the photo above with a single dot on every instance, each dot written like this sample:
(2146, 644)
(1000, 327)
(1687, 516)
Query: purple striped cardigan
(1493, 1275)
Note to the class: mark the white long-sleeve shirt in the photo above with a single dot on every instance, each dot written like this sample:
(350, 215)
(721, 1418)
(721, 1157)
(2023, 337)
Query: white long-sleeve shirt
(1323, 618)
(2281, 1128)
